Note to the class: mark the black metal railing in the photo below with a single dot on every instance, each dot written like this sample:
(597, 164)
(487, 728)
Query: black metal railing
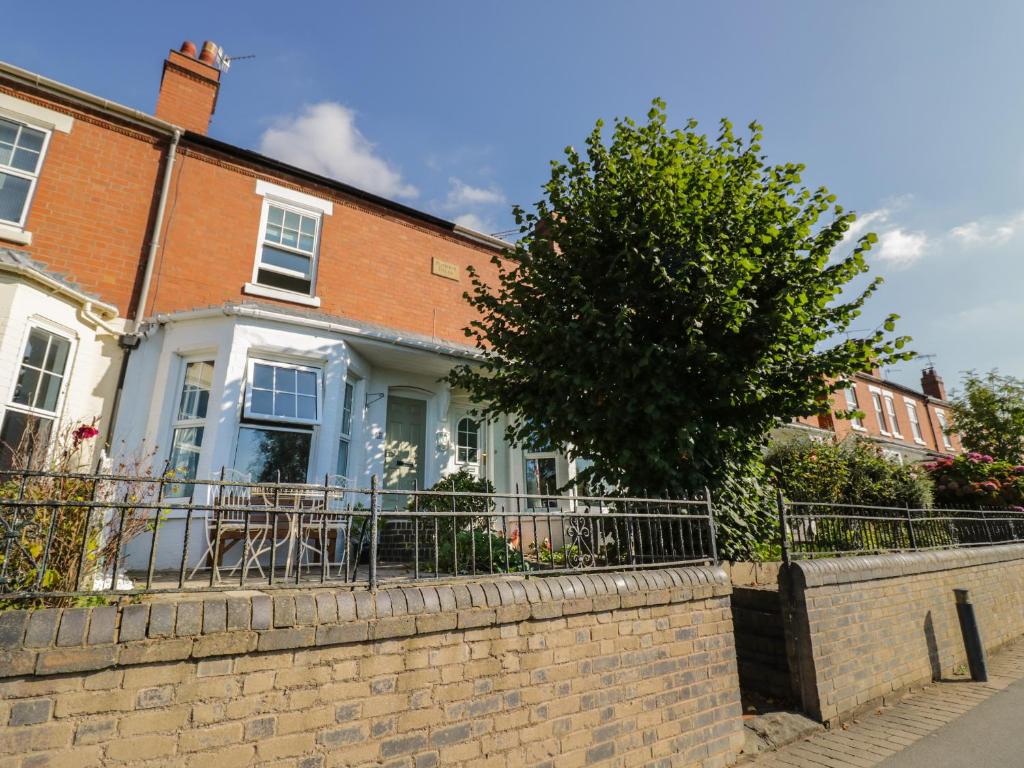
(810, 530)
(71, 535)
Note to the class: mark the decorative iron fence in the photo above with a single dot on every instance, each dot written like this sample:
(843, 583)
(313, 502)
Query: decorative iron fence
(75, 535)
(810, 530)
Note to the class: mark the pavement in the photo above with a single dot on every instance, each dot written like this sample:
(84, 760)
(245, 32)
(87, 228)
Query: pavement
(945, 725)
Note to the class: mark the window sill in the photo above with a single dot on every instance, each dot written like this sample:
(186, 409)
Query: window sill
(919, 442)
(252, 289)
(15, 235)
(859, 428)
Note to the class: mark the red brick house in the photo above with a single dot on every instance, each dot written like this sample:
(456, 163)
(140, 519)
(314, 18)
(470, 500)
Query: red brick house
(909, 424)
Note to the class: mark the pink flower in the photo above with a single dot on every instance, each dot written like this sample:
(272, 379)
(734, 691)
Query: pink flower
(83, 433)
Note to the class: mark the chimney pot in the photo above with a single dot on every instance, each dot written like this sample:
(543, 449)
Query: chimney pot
(189, 49)
(209, 53)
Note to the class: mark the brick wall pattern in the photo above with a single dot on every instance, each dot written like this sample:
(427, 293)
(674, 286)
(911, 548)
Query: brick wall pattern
(863, 628)
(612, 669)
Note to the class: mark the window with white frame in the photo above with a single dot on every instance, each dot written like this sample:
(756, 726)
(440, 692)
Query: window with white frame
(29, 417)
(21, 156)
(467, 441)
(283, 392)
(345, 441)
(287, 253)
(944, 428)
(188, 427)
(915, 422)
(278, 392)
(876, 400)
(890, 409)
(852, 404)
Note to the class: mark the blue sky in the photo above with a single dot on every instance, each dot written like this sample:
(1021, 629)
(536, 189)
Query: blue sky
(911, 112)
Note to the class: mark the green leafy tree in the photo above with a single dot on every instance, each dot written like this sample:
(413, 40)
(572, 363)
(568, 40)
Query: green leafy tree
(671, 298)
(989, 415)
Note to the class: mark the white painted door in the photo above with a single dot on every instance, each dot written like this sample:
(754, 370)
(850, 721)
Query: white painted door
(404, 454)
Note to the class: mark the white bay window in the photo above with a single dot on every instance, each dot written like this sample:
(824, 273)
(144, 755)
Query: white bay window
(188, 428)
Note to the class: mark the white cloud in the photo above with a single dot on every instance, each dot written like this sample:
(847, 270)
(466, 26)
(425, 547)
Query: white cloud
(896, 246)
(461, 195)
(860, 226)
(992, 232)
(474, 222)
(899, 247)
(324, 139)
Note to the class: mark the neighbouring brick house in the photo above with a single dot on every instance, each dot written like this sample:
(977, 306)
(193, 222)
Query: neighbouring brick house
(907, 424)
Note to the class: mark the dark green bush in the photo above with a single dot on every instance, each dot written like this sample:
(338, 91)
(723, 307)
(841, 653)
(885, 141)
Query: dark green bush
(469, 539)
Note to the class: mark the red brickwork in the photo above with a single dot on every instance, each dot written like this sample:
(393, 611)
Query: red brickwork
(374, 264)
(188, 92)
(96, 194)
(928, 409)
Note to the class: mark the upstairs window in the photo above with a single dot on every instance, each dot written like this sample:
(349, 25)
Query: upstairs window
(944, 428)
(915, 423)
(283, 392)
(890, 408)
(286, 259)
(852, 404)
(467, 446)
(876, 400)
(21, 154)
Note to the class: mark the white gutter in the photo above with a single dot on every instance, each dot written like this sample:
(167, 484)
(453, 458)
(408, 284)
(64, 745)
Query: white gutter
(88, 314)
(83, 98)
(480, 237)
(55, 286)
(154, 243)
(257, 313)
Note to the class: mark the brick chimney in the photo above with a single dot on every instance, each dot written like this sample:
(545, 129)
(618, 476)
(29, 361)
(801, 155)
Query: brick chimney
(931, 384)
(188, 89)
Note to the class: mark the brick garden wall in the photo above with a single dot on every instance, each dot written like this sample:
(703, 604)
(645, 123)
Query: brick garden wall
(861, 628)
(624, 669)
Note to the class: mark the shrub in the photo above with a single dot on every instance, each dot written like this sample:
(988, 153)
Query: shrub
(71, 545)
(470, 540)
(850, 472)
(977, 480)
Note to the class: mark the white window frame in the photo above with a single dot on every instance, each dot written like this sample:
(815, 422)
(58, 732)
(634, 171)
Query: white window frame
(53, 416)
(856, 422)
(53, 329)
(915, 421)
(312, 433)
(890, 409)
(33, 178)
(261, 241)
(343, 436)
(940, 416)
(173, 486)
(458, 446)
(247, 398)
(879, 409)
(305, 205)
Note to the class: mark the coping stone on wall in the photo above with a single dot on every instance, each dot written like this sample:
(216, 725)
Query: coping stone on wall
(860, 568)
(231, 623)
